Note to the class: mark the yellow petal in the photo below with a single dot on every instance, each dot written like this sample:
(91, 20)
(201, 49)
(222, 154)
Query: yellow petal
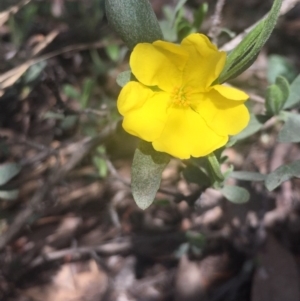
(186, 134)
(132, 96)
(159, 64)
(205, 62)
(224, 116)
(230, 92)
(148, 120)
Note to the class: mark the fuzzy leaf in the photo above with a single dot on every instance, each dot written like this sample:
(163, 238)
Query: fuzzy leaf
(8, 171)
(123, 78)
(133, 20)
(178, 7)
(9, 195)
(290, 131)
(280, 66)
(247, 176)
(294, 97)
(276, 96)
(282, 174)
(235, 194)
(246, 52)
(147, 168)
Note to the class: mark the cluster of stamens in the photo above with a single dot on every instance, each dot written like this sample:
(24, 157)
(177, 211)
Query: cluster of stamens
(180, 97)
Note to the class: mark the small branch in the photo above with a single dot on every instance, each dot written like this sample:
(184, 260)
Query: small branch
(34, 206)
(107, 249)
(52, 85)
(4, 16)
(216, 21)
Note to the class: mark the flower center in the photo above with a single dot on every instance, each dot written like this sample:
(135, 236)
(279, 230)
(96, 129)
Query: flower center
(180, 97)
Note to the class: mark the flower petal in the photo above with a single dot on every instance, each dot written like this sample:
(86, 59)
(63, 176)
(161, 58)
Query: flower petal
(224, 116)
(159, 64)
(132, 96)
(205, 62)
(230, 92)
(147, 119)
(186, 134)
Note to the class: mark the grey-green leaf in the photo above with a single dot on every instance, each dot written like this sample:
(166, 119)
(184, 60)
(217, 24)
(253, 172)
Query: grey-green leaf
(246, 52)
(178, 7)
(147, 168)
(9, 195)
(123, 78)
(282, 174)
(235, 194)
(277, 95)
(279, 65)
(133, 20)
(294, 97)
(247, 176)
(291, 129)
(8, 171)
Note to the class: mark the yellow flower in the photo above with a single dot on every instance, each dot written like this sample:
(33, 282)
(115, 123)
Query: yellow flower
(175, 103)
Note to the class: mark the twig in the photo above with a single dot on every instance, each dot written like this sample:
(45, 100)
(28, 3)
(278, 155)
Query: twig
(95, 112)
(52, 85)
(256, 98)
(4, 16)
(286, 6)
(216, 21)
(8, 78)
(108, 249)
(34, 206)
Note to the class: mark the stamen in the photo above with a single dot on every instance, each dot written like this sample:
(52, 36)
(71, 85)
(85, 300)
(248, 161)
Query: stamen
(180, 97)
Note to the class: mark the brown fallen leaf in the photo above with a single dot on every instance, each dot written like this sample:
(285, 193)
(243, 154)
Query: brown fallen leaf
(10, 77)
(74, 281)
(46, 40)
(4, 16)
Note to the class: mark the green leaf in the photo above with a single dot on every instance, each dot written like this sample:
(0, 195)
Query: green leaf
(247, 176)
(178, 7)
(291, 129)
(169, 31)
(71, 92)
(294, 98)
(8, 171)
(276, 96)
(246, 52)
(280, 66)
(199, 15)
(123, 78)
(102, 167)
(184, 28)
(235, 194)
(69, 122)
(214, 164)
(34, 72)
(9, 195)
(113, 51)
(87, 90)
(194, 174)
(282, 174)
(147, 168)
(133, 20)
